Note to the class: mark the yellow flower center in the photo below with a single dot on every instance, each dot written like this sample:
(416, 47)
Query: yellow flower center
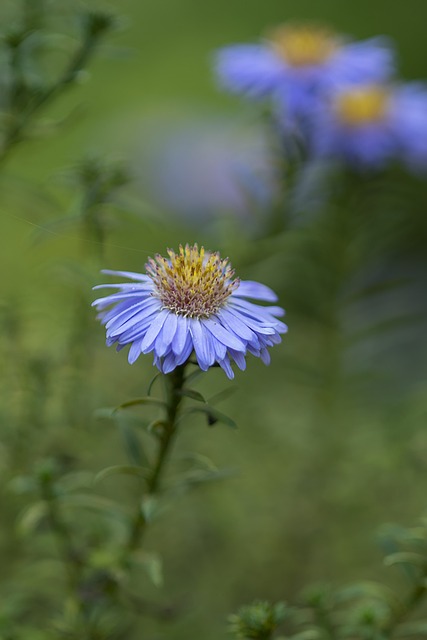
(364, 105)
(192, 283)
(303, 46)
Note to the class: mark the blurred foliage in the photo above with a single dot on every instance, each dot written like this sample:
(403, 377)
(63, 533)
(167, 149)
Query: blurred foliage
(331, 438)
(365, 610)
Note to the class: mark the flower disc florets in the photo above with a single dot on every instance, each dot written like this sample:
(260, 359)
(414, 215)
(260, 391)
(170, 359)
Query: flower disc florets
(362, 105)
(298, 66)
(192, 283)
(371, 124)
(302, 46)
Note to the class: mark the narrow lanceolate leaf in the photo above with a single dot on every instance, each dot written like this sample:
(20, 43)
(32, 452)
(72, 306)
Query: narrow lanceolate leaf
(222, 395)
(194, 376)
(405, 557)
(32, 517)
(213, 416)
(152, 563)
(122, 469)
(191, 393)
(156, 427)
(93, 502)
(147, 400)
(150, 386)
(199, 477)
(132, 444)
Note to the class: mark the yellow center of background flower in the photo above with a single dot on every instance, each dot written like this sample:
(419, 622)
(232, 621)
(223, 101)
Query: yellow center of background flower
(192, 283)
(303, 46)
(361, 106)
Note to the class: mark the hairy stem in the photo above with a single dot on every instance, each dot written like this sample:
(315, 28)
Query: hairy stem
(174, 383)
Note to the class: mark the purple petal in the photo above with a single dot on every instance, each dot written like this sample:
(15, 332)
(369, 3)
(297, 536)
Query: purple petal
(186, 352)
(169, 363)
(139, 317)
(128, 274)
(201, 342)
(238, 358)
(255, 290)
(253, 323)
(226, 366)
(251, 69)
(101, 303)
(235, 324)
(223, 335)
(219, 349)
(180, 337)
(265, 356)
(153, 331)
(126, 286)
(165, 336)
(134, 351)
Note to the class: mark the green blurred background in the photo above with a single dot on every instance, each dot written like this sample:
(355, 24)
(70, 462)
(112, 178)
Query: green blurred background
(331, 440)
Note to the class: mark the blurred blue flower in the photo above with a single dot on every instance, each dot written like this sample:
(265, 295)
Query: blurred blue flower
(297, 64)
(206, 168)
(190, 302)
(369, 126)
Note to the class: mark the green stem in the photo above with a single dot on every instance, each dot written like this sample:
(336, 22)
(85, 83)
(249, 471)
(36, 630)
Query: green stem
(174, 382)
(77, 63)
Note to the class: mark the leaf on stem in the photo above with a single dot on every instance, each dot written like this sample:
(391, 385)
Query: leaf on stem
(152, 563)
(32, 517)
(122, 469)
(150, 386)
(405, 557)
(213, 416)
(147, 400)
(192, 394)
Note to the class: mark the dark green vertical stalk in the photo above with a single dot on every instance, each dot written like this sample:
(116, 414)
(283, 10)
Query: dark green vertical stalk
(174, 383)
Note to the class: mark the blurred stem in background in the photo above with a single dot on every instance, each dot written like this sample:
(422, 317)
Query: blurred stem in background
(26, 99)
(97, 182)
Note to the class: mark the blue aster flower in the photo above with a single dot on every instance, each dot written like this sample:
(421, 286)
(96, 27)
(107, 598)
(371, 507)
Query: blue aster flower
(297, 64)
(369, 126)
(190, 303)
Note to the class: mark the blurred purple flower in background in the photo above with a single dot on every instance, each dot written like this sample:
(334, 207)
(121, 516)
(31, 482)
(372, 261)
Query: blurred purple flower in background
(190, 302)
(298, 64)
(369, 126)
(205, 168)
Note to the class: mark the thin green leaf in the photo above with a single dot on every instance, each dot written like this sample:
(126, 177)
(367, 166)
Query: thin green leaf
(199, 477)
(152, 563)
(147, 400)
(191, 393)
(405, 557)
(153, 426)
(193, 376)
(31, 517)
(122, 469)
(132, 444)
(93, 502)
(150, 386)
(149, 507)
(213, 416)
(223, 395)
